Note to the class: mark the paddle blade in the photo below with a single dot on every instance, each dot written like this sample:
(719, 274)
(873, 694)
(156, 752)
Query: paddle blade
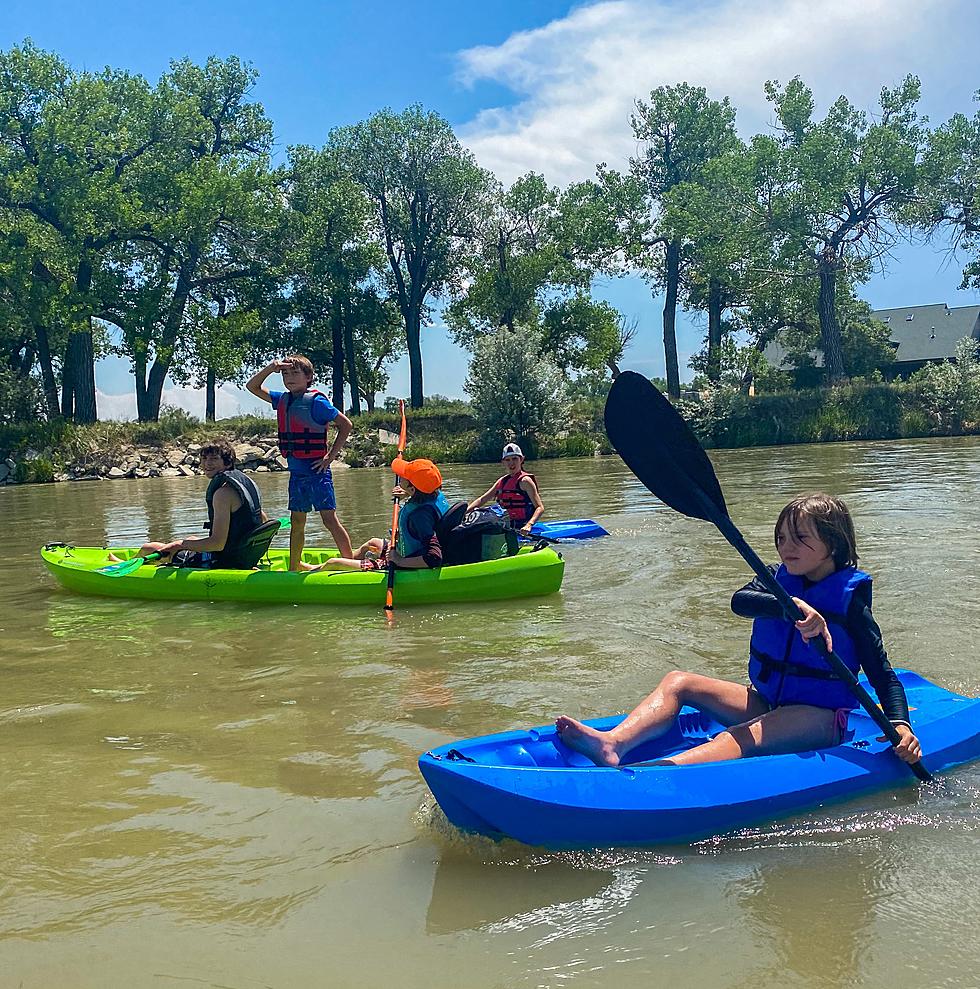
(403, 434)
(659, 448)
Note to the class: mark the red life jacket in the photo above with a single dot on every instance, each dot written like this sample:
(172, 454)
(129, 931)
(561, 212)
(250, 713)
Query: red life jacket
(300, 435)
(514, 499)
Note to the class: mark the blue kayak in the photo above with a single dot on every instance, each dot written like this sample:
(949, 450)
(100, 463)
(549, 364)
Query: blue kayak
(569, 529)
(529, 786)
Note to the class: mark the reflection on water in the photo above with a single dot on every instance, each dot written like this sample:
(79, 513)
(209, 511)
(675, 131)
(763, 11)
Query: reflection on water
(220, 776)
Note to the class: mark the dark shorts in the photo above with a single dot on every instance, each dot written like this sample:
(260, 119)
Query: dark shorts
(187, 559)
(312, 492)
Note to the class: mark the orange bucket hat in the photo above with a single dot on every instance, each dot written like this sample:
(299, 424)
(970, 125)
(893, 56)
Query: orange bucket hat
(421, 474)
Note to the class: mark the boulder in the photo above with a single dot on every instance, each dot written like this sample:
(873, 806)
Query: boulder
(170, 472)
(390, 439)
(115, 473)
(246, 452)
(193, 447)
(281, 462)
(142, 472)
(262, 469)
(61, 477)
(175, 458)
(4, 472)
(186, 471)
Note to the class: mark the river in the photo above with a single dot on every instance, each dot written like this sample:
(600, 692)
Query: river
(219, 795)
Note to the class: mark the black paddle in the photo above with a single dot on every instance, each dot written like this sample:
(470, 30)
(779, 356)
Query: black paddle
(659, 448)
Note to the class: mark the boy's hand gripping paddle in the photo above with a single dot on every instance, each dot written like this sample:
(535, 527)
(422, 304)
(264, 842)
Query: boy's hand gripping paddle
(659, 448)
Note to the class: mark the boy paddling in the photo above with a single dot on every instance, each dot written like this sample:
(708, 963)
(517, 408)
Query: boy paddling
(303, 414)
(516, 492)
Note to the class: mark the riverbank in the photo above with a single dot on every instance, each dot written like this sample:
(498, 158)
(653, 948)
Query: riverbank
(449, 433)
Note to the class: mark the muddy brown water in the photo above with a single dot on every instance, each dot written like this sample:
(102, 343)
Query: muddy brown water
(221, 795)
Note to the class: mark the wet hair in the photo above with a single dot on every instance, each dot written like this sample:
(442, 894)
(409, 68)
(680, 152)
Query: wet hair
(223, 449)
(304, 364)
(831, 521)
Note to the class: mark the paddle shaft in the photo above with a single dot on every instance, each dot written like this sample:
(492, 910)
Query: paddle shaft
(390, 592)
(793, 613)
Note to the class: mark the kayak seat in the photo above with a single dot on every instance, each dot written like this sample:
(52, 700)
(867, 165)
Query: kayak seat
(256, 544)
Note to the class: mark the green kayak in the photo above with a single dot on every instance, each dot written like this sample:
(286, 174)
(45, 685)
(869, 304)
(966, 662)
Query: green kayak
(528, 574)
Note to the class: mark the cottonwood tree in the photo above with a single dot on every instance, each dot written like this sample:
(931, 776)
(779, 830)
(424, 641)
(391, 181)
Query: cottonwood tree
(428, 196)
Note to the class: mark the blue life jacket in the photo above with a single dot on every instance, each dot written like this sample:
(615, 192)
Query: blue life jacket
(783, 668)
(300, 435)
(407, 544)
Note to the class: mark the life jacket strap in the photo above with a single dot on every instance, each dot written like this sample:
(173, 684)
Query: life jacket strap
(770, 666)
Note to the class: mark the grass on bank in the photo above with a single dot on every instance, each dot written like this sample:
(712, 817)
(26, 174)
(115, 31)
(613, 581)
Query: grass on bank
(447, 431)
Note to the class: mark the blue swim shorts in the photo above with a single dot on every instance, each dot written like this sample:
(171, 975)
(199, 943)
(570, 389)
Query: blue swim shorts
(311, 492)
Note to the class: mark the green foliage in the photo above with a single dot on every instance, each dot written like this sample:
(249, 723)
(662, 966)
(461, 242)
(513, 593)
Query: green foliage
(515, 389)
(951, 389)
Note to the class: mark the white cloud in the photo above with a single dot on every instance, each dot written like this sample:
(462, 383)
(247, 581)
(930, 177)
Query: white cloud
(229, 401)
(578, 76)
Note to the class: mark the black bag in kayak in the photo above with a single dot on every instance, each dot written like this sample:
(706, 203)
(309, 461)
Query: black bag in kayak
(474, 536)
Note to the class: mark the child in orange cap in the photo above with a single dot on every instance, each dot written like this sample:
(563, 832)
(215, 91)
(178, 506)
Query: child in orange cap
(417, 545)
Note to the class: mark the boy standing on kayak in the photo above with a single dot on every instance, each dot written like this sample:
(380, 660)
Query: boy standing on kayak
(795, 702)
(516, 492)
(303, 414)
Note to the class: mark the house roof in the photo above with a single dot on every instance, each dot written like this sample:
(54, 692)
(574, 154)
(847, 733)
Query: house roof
(930, 335)
(924, 333)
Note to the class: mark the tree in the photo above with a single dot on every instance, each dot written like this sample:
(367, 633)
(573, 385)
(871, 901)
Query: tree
(682, 131)
(70, 147)
(516, 389)
(846, 181)
(950, 201)
(428, 196)
(211, 208)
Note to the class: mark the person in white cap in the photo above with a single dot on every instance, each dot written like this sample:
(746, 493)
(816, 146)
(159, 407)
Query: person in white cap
(516, 492)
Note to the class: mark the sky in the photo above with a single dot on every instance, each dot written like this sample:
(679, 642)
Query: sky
(544, 85)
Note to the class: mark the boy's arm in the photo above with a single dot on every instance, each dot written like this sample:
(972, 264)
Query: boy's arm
(224, 503)
(484, 498)
(344, 427)
(531, 490)
(256, 382)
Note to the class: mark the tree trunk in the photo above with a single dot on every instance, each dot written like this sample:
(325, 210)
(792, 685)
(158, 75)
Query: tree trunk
(714, 330)
(209, 396)
(337, 355)
(175, 315)
(369, 400)
(672, 277)
(355, 394)
(78, 375)
(143, 412)
(47, 370)
(830, 335)
(78, 379)
(413, 327)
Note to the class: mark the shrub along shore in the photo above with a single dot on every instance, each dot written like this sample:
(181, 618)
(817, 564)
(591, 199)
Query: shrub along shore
(724, 418)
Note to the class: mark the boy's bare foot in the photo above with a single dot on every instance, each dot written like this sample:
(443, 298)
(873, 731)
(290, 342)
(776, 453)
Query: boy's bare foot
(114, 559)
(305, 567)
(595, 745)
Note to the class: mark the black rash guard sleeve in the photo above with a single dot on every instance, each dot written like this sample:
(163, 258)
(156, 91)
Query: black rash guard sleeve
(755, 601)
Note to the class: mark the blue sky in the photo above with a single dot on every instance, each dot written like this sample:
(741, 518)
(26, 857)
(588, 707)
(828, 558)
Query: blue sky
(535, 84)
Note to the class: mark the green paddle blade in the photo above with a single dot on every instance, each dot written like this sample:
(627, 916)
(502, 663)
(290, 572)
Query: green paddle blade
(125, 567)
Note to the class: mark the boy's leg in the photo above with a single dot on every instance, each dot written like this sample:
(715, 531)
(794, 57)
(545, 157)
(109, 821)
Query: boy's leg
(728, 703)
(297, 538)
(794, 728)
(336, 529)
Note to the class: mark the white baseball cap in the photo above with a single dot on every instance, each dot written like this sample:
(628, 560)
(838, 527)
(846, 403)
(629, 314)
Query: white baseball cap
(512, 450)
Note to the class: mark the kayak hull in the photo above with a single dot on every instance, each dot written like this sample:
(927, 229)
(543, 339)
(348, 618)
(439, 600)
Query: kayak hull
(529, 574)
(527, 785)
(569, 529)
